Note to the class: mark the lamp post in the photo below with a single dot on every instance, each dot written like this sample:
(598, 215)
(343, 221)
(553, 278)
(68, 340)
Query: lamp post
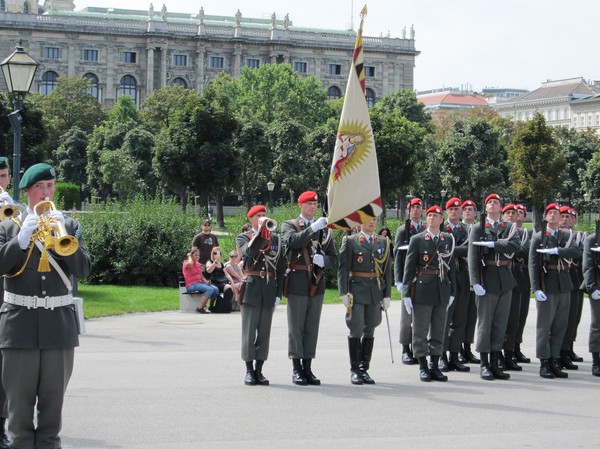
(18, 70)
(587, 196)
(443, 192)
(270, 187)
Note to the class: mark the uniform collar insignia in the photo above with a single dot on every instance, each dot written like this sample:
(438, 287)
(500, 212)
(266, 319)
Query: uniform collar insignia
(427, 237)
(361, 238)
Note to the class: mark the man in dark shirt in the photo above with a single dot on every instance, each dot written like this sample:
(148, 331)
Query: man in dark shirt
(205, 242)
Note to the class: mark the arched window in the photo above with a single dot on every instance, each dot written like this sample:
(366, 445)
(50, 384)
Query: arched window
(180, 82)
(334, 92)
(370, 96)
(128, 86)
(26, 8)
(49, 82)
(93, 84)
(2, 6)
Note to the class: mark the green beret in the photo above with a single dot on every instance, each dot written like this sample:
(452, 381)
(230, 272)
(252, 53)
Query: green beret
(35, 173)
(3, 163)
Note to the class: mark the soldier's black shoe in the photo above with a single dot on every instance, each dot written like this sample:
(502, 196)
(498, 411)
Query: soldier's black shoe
(545, 371)
(461, 357)
(308, 374)
(471, 358)
(298, 374)
(521, 358)
(556, 369)
(485, 373)
(407, 357)
(356, 378)
(574, 357)
(443, 363)
(434, 370)
(501, 365)
(510, 362)
(424, 370)
(596, 364)
(454, 364)
(4, 443)
(365, 377)
(565, 361)
(260, 379)
(250, 378)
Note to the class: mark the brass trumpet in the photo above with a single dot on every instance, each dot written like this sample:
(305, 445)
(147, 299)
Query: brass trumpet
(8, 210)
(269, 223)
(52, 233)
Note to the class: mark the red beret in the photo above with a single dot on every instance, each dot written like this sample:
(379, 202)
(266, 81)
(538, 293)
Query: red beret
(414, 201)
(552, 206)
(453, 202)
(307, 196)
(434, 210)
(255, 210)
(521, 207)
(492, 196)
(564, 209)
(509, 207)
(469, 203)
(573, 212)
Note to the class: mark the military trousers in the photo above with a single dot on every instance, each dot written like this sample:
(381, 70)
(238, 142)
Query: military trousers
(256, 331)
(492, 316)
(575, 311)
(365, 318)
(429, 323)
(32, 375)
(594, 342)
(524, 300)
(552, 319)
(514, 318)
(456, 323)
(405, 327)
(471, 319)
(3, 404)
(303, 316)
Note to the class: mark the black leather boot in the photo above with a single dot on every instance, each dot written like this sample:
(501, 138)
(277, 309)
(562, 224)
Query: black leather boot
(354, 347)
(566, 362)
(443, 363)
(596, 364)
(557, 369)
(424, 370)
(501, 364)
(521, 358)
(310, 377)
(471, 358)
(545, 371)
(4, 443)
(495, 369)
(434, 369)
(298, 373)
(365, 362)
(250, 378)
(454, 364)
(260, 379)
(574, 357)
(510, 362)
(484, 370)
(407, 356)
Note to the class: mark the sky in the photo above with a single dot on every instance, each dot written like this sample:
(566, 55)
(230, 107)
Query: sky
(475, 43)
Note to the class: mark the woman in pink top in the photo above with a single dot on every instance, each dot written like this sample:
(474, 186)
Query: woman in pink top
(194, 282)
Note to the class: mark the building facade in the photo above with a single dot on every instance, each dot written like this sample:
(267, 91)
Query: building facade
(137, 52)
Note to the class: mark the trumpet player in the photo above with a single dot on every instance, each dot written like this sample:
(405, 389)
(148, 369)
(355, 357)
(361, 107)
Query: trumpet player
(7, 205)
(264, 268)
(38, 325)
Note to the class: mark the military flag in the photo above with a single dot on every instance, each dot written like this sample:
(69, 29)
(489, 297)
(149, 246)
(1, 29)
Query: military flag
(353, 193)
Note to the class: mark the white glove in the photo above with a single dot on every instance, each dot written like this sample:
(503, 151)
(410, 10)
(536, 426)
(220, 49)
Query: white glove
(277, 300)
(484, 243)
(385, 304)
(540, 296)
(553, 251)
(450, 302)
(347, 300)
(29, 225)
(595, 294)
(402, 248)
(57, 216)
(408, 305)
(596, 249)
(319, 260)
(479, 290)
(399, 286)
(319, 224)
(5, 198)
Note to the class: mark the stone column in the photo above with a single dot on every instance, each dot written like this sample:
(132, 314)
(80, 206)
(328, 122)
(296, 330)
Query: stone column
(150, 72)
(200, 55)
(71, 61)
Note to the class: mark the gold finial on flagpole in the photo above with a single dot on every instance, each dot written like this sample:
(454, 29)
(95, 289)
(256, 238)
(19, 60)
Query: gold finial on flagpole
(363, 12)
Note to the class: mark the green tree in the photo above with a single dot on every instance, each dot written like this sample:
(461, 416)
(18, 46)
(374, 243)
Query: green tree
(124, 112)
(537, 164)
(404, 102)
(71, 157)
(159, 108)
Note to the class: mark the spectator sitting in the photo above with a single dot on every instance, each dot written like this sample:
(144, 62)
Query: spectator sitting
(385, 232)
(205, 241)
(218, 277)
(233, 269)
(194, 282)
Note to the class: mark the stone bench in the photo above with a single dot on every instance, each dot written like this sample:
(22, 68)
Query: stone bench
(188, 302)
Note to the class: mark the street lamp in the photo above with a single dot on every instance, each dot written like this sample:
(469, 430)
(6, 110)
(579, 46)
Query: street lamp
(18, 70)
(587, 196)
(443, 192)
(270, 187)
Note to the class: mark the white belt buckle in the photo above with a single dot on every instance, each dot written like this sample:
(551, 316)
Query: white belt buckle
(40, 302)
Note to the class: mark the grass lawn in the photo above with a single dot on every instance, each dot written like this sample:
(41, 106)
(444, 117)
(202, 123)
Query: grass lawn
(107, 300)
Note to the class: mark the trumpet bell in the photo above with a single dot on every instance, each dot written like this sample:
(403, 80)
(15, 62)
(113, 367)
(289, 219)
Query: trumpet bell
(8, 211)
(66, 245)
(271, 225)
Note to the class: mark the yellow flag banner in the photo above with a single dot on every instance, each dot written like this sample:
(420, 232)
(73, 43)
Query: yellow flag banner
(353, 193)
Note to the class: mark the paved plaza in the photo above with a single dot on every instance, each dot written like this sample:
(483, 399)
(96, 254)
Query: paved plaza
(174, 380)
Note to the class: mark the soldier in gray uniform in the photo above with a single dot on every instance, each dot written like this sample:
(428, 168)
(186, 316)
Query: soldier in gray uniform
(521, 260)
(490, 244)
(469, 212)
(551, 283)
(264, 268)
(38, 324)
(403, 236)
(364, 283)
(591, 284)
(309, 250)
(430, 292)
